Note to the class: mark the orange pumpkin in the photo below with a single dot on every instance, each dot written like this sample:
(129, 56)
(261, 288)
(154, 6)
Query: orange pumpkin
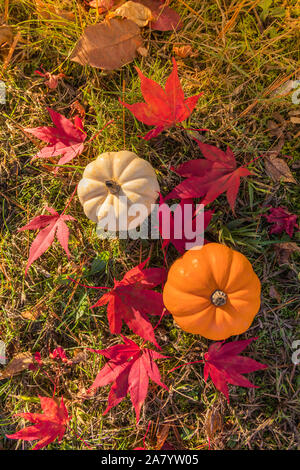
(212, 291)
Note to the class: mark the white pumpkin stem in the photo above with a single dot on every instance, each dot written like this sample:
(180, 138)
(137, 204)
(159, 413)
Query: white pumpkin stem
(112, 186)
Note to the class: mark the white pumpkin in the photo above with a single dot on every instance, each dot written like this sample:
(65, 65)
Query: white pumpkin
(116, 174)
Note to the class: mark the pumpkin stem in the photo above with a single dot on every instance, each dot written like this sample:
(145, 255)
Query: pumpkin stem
(112, 186)
(218, 298)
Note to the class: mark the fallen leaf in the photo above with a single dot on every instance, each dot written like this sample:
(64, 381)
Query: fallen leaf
(224, 365)
(37, 362)
(129, 369)
(282, 220)
(285, 250)
(184, 51)
(278, 170)
(78, 108)
(65, 138)
(79, 356)
(177, 224)
(18, 363)
(209, 178)
(274, 294)
(102, 5)
(162, 436)
(295, 120)
(277, 129)
(295, 116)
(213, 422)
(108, 45)
(32, 314)
(6, 35)
(51, 225)
(131, 300)
(165, 18)
(51, 80)
(162, 108)
(60, 354)
(142, 51)
(47, 426)
(136, 12)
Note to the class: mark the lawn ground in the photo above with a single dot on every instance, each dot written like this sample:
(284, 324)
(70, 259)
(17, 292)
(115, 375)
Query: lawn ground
(244, 55)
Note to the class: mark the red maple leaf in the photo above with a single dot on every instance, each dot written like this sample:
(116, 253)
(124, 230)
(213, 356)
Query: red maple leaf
(51, 80)
(225, 366)
(131, 300)
(165, 18)
(52, 225)
(65, 138)
(128, 370)
(211, 177)
(162, 108)
(46, 426)
(60, 354)
(183, 220)
(283, 220)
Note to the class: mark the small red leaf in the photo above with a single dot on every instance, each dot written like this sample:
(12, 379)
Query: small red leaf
(224, 365)
(128, 370)
(211, 177)
(283, 221)
(131, 301)
(162, 108)
(47, 426)
(182, 224)
(65, 138)
(50, 225)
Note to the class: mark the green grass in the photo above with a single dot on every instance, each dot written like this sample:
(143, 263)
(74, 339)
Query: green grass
(233, 71)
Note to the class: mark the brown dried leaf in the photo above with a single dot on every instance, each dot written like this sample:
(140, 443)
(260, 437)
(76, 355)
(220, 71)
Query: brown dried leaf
(136, 12)
(162, 443)
(285, 250)
(52, 81)
(143, 51)
(213, 422)
(274, 294)
(278, 170)
(295, 116)
(294, 112)
(78, 108)
(18, 363)
(162, 435)
(108, 45)
(6, 35)
(31, 314)
(103, 5)
(79, 356)
(184, 51)
(275, 129)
